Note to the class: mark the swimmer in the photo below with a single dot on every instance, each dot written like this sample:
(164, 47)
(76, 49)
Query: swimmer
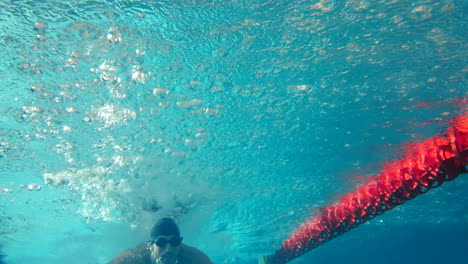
(165, 247)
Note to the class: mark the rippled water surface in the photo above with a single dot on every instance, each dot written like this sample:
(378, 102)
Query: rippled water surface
(238, 118)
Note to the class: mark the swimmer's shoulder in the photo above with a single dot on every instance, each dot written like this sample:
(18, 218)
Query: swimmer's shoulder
(191, 255)
(138, 255)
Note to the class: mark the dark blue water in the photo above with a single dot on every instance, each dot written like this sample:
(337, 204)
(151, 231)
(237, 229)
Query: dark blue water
(237, 118)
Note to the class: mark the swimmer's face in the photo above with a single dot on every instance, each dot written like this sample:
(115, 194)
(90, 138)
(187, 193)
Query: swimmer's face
(165, 249)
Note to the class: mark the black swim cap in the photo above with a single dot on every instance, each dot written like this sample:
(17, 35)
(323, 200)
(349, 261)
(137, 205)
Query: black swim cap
(165, 227)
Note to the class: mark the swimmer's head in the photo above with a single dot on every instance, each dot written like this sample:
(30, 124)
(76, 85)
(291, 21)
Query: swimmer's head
(165, 242)
(165, 227)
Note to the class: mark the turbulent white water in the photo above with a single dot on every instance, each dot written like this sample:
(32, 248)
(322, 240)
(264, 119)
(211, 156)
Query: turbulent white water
(238, 118)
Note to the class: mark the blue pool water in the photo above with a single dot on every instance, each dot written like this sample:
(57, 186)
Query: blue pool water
(237, 118)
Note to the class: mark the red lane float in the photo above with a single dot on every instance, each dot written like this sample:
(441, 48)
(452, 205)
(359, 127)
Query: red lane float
(424, 166)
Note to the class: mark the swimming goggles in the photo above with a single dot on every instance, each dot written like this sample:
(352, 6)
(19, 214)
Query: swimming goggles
(162, 242)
